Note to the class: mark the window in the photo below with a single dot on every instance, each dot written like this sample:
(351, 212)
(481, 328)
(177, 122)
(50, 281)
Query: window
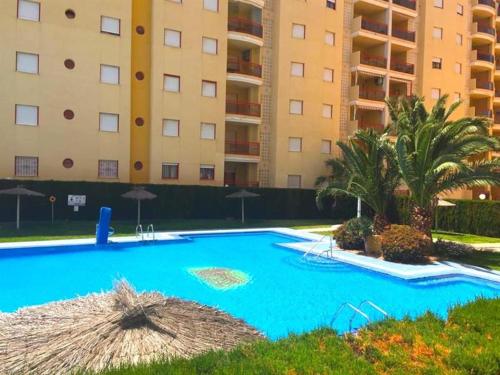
(460, 9)
(435, 93)
(209, 89)
(176, 1)
(328, 75)
(438, 3)
(170, 171)
(26, 115)
(296, 107)
(171, 83)
(108, 168)
(209, 45)
(326, 146)
(207, 172)
(329, 38)
(207, 130)
(437, 63)
(26, 166)
(212, 5)
(28, 10)
(173, 38)
(110, 25)
(459, 39)
(294, 144)
(331, 4)
(437, 32)
(171, 128)
(298, 31)
(110, 74)
(458, 68)
(109, 122)
(27, 62)
(327, 111)
(297, 69)
(294, 181)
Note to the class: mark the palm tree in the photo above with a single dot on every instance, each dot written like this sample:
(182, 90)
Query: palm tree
(438, 155)
(367, 170)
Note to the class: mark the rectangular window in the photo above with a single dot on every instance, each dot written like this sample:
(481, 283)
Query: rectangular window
(207, 172)
(331, 4)
(329, 38)
(326, 146)
(209, 89)
(294, 181)
(26, 166)
(27, 62)
(171, 83)
(294, 144)
(28, 10)
(437, 63)
(173, 38)
(459, 39)
(297, 69)
(170, 171)
(458, 68)
(110, 25)
(298, 31)
(26, 115)
(109, 122)
(328, 75)
(207, 130)
(437, 32)
(435, 93)
(460, 9)
(108, 169)
(209, 46)
(438, 3)
(212, 5)
(296, 107)
(327, 111)
(110, 74)
(171, 128)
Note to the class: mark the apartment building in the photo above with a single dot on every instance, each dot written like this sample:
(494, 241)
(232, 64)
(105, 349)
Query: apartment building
(226, 92)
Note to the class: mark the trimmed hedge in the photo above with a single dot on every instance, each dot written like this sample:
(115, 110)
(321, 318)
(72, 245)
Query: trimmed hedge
(173, 202)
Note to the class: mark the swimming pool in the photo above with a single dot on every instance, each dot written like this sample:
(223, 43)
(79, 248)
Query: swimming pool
(283, 294)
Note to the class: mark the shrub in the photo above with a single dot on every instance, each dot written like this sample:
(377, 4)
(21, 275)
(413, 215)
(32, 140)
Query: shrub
(403, 244)
(351, 235)
(451, 249)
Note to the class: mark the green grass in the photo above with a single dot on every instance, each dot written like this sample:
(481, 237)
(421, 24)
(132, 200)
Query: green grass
(39, 231)
(467, 343)
(465, 238)
(486, 259)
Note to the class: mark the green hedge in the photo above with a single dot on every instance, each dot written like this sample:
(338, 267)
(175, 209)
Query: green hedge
(173, 202)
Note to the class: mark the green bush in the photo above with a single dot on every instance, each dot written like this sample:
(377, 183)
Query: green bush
(403, 244)
(351, 235)
(451, 249)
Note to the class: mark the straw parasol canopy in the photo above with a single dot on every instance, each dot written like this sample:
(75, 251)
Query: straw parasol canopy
(113, 329)
(139, 193)
(242, 194)
(20, 191)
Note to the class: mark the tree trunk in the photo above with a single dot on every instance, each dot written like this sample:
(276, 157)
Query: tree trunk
(421, 219)
(380, 222)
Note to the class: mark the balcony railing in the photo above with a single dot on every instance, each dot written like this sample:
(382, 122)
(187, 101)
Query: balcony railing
(497, 65)
(484, 113)
(485, 28)
(404, 34)
(242, 108)
(486, 57)
(236, 65)
(376, 27)
(402, 66)
(244, 25)
(377, 126)
(496, 118)
(231, 181)
(490, 3)
(372, 94)
(410, 4)
(243, 148)
(485, 85)
(377, 61)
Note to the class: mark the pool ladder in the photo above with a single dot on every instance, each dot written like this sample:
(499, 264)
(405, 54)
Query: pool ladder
(150, 232)
(328, 252)
(357, 311)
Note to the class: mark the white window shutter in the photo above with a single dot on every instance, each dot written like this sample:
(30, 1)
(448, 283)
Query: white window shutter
(171, 84)
(209, 45)
(172, 38)
(209, 89)
(110, 25)
(108, 122)
(110, 74)
(27, 115)
(28, 10)
(171, 128)
(207, 131)
(27, 62)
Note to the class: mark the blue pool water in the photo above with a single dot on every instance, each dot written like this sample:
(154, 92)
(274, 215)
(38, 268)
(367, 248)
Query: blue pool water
(284, 294)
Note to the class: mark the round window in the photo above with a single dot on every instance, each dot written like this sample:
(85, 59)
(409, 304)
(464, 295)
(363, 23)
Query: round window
(70, 64)
(70, 13)
(138, 165)
(68, 163)
(69, 114)
(139, 121)
(139, 76)
(140, 30)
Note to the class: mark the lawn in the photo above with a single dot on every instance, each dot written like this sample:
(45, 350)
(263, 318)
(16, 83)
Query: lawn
(465, 238)
(466, 343)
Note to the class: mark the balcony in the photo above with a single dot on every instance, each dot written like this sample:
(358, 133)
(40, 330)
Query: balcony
(404, 34)
(484, 7)
(410, 4)
(243, 73)
(372, 94)
(242, 152)
(245, 32)
(374, 26)
(256, 3)
(481, 88)
(482, 60)
(230, 180)
(364, 125)
(243, 112)
(375, 61)
(403, 67)
(473, 112)
(483, 32)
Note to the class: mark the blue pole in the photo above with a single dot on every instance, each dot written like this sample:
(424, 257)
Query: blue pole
(103, 227)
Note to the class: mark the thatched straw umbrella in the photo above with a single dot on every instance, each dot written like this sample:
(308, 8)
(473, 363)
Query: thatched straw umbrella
(139, 193)
(20, 191)
(114, 329)
(242, 194)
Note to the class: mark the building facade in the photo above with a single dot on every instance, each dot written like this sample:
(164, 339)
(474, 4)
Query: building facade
(226, 92)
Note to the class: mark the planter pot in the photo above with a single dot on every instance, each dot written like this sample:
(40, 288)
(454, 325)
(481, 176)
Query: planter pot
(373, 245)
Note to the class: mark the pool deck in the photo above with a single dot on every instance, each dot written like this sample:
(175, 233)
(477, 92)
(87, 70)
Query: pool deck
(313, 244)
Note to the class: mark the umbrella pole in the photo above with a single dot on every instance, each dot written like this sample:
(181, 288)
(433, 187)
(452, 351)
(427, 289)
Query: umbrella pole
(18, 211)
(138, 212)
(242, 210)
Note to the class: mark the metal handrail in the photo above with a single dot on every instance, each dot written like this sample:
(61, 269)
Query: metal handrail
(151, 229)
(316, 245)
(378, 308)
(353, 308)
(139, 232)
